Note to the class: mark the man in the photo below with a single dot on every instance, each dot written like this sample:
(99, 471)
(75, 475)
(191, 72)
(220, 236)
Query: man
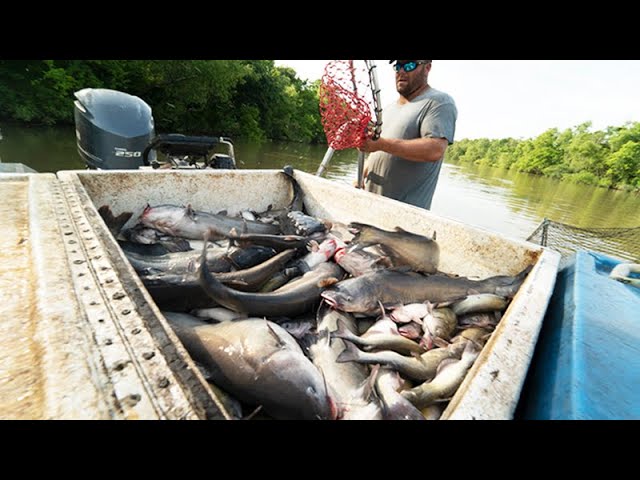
(416, 130)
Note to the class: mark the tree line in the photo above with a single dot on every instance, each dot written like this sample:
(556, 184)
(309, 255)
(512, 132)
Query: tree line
(607, 158)
(257, 101)
(252, 99)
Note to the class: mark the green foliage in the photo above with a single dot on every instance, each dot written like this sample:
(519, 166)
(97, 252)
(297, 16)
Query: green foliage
(544, 155)
(582, 177)
(609, 158)
(238, 98)
(624, 164)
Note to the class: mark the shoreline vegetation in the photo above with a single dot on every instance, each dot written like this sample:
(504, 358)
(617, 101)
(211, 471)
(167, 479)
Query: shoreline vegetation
(605, 158)
(257, 101)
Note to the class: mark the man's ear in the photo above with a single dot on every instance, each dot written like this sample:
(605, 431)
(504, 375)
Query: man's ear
(427, 67)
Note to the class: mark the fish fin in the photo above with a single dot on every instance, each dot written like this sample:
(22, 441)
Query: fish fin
(430, 307)
(275, 334)
(146, 210)
(400, 230)
(203, 255)
(370, 383)
(336, 411)
(341, 331)
(384, 261)
(190, 212)
(224, 212)
(351, 353)
(442, 400)
(444, 304)
(323, 336)
(327, 282)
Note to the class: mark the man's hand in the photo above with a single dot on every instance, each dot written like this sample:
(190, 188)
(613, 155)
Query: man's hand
(365, 171)
(370, 146)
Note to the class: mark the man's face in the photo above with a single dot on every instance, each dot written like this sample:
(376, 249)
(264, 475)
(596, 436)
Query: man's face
(409, 82)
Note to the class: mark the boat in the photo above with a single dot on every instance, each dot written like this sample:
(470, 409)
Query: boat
(94, 329)
(587, 361)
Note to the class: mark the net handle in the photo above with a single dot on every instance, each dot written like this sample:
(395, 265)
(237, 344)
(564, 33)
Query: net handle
(373, 77)
(373, 82)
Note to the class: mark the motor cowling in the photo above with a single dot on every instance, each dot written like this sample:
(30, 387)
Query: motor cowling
(112, 128)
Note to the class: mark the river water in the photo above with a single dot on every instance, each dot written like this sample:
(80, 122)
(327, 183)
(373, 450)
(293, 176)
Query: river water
(510, 203)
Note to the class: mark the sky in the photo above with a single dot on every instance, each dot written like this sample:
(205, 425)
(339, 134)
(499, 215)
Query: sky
(521, 98)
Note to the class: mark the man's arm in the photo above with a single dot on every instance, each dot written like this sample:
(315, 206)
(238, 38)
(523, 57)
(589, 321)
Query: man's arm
(415, 149)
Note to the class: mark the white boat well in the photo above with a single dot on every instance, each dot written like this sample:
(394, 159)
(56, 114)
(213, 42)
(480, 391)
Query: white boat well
(169, 385)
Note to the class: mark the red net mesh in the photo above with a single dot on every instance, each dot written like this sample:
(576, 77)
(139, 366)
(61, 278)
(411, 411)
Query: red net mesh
(346, 103)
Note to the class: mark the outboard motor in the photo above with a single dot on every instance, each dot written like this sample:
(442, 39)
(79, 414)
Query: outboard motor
(112, 128)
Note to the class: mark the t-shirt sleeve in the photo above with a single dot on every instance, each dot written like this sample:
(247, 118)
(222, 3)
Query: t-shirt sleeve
(439, 121)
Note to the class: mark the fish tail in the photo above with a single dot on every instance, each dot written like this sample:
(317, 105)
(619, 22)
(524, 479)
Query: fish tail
(342, 331)
(351, 353)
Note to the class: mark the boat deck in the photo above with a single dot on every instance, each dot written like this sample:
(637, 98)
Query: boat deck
(21, 380)
(72, 345)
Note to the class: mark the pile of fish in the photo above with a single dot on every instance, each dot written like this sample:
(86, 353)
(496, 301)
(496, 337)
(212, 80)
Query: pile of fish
(292, 317)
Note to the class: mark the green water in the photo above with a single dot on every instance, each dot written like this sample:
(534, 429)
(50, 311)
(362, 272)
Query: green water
(510, 203)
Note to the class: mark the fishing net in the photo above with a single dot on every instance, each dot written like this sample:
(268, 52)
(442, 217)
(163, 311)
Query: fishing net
(347, 101)
(622, 243)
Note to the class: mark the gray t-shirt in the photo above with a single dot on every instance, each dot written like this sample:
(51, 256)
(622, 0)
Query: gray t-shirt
(431, 114)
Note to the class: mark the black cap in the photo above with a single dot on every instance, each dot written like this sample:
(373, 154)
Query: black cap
(391, 61)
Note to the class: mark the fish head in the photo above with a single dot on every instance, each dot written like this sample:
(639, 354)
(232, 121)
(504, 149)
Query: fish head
(164, 218)
(306, 394)
(363, 234)
(323, 404)
(342, 298)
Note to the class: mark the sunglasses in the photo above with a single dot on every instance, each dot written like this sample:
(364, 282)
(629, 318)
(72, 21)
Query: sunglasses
(408, 66)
